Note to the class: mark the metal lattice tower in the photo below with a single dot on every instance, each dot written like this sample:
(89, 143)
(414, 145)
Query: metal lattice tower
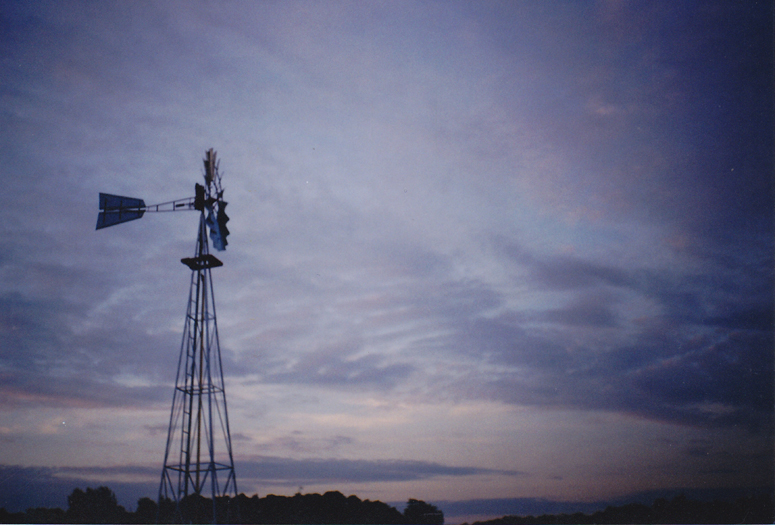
(198, 458)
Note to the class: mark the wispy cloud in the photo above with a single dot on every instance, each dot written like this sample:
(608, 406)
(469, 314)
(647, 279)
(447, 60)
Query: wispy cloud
(293, 472)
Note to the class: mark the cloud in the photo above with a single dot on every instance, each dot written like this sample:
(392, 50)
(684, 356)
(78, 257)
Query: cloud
(691, 356)
(726, 381)
(719, 382)
(622, 339)
(292, 472)
(335, 367)
(297, 442)
(48, 358)
(25, 487)
(590, 310)
(27, 390)
(30, 487)
(564, 273)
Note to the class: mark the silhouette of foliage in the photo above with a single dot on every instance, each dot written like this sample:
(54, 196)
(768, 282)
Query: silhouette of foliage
(753, 509)
(330, 508)
(421, 513)
(94, 506)
(45, 515)
(147, 511)
(100, 506)
(12, 517)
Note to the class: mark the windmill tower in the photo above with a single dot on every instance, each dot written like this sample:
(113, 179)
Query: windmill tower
(198, 458)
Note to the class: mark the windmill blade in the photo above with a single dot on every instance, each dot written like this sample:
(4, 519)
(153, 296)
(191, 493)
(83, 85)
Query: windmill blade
(216, 220)
(116, 209)
(210, 165)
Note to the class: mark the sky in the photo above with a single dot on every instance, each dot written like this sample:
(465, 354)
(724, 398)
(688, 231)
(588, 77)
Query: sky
(483, 254)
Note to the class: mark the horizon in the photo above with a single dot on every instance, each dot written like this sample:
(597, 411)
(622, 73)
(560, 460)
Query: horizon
(479, 251)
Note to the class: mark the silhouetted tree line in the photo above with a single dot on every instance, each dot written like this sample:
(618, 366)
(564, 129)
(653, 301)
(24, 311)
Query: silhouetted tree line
(753, 509)
(100, 506)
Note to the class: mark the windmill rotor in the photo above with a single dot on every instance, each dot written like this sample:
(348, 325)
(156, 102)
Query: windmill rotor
(212, 200)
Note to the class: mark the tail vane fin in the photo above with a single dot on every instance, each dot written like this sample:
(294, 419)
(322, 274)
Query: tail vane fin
(116, 209)
(110, 202)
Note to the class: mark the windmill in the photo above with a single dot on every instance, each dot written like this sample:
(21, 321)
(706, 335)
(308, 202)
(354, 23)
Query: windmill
(198, 459)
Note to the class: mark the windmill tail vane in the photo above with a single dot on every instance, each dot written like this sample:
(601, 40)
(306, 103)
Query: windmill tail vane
(117, 209)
